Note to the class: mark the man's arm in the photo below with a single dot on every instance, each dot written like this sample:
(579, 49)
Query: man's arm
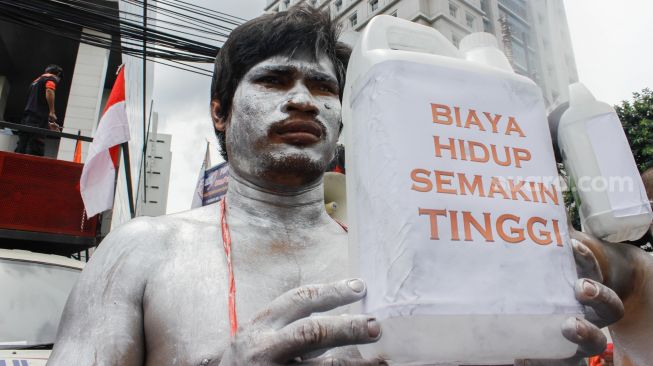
(102, 322)
(628, 270)
(50, 87)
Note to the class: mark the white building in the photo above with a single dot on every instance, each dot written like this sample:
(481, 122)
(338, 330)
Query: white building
(153, 192)
(89, 73)
(533, 33)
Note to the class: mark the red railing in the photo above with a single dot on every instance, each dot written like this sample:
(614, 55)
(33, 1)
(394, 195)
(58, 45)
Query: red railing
(42, 195)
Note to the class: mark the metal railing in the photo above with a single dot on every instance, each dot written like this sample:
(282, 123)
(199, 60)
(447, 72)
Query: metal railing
(44, 131)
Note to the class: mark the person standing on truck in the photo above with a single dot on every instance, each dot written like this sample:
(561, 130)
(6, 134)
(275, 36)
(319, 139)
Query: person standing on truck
(40, 111)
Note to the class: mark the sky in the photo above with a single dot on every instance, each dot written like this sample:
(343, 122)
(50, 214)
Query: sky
(182, 101)
(613, 47)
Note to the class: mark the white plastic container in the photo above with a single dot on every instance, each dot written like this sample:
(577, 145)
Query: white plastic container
(485, 300)
(610, 194)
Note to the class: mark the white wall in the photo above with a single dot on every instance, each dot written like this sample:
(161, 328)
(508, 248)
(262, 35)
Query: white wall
(84, 100)
(159, 157)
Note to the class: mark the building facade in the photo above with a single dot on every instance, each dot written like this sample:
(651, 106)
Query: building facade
(138, 91)
(533, 33)
(89, 75)
(153, 192)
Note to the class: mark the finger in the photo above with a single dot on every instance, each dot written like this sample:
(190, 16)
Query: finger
(606, 307)
(586, 264)
(306, 300)
(318, 332)
(590, 339)
(328, 361)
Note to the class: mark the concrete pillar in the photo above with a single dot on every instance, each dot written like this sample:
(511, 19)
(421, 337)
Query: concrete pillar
(85, 99)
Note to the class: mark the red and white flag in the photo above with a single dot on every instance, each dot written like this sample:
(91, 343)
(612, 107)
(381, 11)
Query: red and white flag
(97, 183)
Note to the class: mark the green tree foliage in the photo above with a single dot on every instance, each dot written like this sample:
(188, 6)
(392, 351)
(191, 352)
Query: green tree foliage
(637, 119)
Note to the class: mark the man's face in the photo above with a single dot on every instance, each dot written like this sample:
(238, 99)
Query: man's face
(284, 121)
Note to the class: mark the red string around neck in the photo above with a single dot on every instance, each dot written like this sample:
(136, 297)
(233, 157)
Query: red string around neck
(226, 242)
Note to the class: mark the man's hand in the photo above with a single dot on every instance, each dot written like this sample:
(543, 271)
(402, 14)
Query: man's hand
(285, 332)
(603, 306)
(52, 122)
(53, 126)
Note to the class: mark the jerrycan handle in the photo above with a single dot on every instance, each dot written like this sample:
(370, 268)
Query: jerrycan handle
(391, 33)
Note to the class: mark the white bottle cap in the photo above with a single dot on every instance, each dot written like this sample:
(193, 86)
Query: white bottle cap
(483, 48)
(579, 94)
(477, 40)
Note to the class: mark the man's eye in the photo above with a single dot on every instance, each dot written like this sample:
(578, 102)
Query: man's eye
(327, 88)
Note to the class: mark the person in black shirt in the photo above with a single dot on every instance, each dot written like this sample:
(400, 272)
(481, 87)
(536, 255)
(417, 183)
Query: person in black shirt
(39, 111)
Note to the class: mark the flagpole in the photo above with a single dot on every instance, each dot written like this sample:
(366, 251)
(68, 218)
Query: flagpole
(143, 173)
(128, 177)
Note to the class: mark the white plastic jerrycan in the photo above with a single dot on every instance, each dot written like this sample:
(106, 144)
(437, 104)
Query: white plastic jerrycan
(610, 194)
(457, 222)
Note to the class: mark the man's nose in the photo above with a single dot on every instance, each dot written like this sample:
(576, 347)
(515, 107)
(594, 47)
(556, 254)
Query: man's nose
(300, 99)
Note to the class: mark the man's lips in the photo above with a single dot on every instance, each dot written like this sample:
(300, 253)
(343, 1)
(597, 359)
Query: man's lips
(299, 132)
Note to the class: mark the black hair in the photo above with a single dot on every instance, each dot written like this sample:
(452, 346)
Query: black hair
(299, 29)
(54, 69)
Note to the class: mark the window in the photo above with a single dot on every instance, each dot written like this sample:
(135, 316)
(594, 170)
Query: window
(455, 40)
(470, 20)
(353, 20)
(487, 26)
(485, 6)
(374, 5)
(394, 14)
(453, 10)
(338, 5)
(36, 321)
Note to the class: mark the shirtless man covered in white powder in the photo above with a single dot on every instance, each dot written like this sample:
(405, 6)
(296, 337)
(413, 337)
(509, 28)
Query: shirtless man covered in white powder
(157, 290)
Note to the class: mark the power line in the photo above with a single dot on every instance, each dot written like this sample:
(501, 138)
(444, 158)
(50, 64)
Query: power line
(176, 35)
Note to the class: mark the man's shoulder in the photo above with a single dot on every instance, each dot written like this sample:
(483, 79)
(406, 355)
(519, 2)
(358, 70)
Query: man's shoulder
(163, 232)
(205, 215)
(151, 240)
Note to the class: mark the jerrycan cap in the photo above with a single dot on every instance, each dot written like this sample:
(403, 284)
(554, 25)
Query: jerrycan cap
(483, 48)
(580, 94)
(478, 40)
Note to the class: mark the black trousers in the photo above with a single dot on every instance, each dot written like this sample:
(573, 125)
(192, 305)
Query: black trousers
(31, 143)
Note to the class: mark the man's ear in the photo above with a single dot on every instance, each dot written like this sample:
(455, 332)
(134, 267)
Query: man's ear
(219, 123)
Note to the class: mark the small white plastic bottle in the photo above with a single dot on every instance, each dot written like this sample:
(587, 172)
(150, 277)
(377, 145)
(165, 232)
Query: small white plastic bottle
(451, 300)
(609, 190)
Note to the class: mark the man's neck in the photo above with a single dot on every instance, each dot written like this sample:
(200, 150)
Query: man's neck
(301, 208)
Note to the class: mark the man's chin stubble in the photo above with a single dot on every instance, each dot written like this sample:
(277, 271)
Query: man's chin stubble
(291, 170)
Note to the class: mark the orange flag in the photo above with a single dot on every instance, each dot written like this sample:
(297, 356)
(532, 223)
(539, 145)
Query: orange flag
(77, 158)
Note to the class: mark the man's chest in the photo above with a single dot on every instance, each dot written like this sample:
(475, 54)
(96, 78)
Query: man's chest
(185, 305)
